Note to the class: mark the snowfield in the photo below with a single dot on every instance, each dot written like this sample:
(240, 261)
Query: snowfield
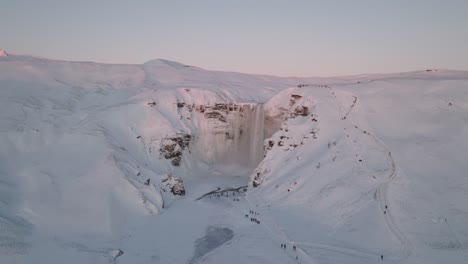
(169, 163)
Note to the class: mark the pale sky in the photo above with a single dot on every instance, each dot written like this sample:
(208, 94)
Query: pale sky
(287, 38)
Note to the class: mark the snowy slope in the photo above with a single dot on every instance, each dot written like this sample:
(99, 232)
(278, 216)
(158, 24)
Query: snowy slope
(346, 169)
(379, 173)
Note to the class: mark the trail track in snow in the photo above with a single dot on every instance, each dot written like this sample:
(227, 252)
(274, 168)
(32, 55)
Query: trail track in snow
(280, 237)
(350, 108)
(406, 247)
(382, 190)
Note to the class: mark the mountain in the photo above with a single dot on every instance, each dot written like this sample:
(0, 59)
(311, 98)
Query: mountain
(169, 163)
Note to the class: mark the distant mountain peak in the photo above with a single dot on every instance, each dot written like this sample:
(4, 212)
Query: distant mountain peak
(165, 63)
(3, 53)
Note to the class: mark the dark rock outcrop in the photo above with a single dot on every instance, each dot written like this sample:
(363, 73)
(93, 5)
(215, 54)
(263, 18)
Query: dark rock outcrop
(180, 104)
(172, 148)
(216, 115)
(300, 111)
(174, 184)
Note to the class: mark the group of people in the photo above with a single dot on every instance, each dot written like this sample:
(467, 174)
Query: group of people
(294, 248)
(254, 213)
(253, 219)
(284, 246)
(225, 194)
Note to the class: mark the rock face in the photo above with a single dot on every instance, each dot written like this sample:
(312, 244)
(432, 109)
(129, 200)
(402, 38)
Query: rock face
(3, 53)
(173, 184)
(290, 107)
(172, 148)
(220, 132)
(256, 181)
(220, 111)
(215, 115)
(300, 111)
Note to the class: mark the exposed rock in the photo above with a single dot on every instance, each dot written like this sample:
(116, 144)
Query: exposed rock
(183, 140)
(200, 108)
(300, 111)
(215, 115)
(233, 107)
(293, 99)
(257, 180)
(268, 146)
(180, 104)
(271, 143)
(296, 96)
(178, 188)
(172, 148)
(176, 161)
(220, 107)
(173, 184)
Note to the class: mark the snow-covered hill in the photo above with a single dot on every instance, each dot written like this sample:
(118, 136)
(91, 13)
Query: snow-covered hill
(169, 163)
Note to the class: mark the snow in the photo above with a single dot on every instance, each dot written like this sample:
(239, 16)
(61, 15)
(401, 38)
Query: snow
(165, 63)
(346, 169)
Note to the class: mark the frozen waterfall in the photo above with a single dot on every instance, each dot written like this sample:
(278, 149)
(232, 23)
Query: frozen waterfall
(237, 138)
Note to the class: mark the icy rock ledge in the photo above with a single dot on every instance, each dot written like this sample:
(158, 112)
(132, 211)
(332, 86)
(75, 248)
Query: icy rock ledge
(173, 184)
(172, 148)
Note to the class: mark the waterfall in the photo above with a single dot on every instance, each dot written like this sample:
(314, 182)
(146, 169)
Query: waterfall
(257, 136)
(239, 140)
(248, 144)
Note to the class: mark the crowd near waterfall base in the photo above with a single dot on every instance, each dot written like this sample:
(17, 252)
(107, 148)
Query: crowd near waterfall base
(169, 163)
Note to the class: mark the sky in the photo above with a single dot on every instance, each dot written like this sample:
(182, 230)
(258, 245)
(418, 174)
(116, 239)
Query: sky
(286, 38)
